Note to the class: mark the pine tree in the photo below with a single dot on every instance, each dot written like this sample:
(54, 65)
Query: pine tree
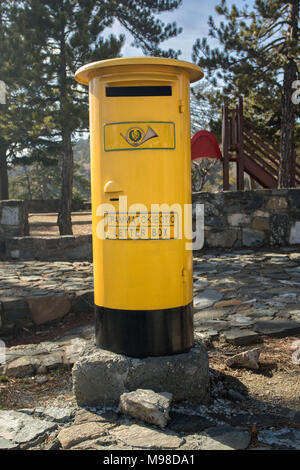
(259, 58)
(11, 111)
(68, 33)
(24, 121)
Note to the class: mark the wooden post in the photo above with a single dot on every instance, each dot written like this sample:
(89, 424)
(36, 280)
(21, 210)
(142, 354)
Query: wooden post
(240, 146)
(225, 145)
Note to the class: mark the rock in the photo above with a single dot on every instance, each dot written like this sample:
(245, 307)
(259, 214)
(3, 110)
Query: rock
(143, 437)
(45, 309)
(260, 313)
(240, 337)
(187, 424)
(205, 325)
(74, 350)
(85, 416)
(48, 362)
(240, 320)
(23, 430)
(41, 379)
(276, 203)
(248, 359)
(259, 223)
(106, 443)
(209, 314)
(279, 229)
(200, 284)
(219, 438)
(207, 298)
(235, 396)
(7, 445)
(296, 417)
(237, 220)
(295, 234)
(228, 303)
(53, 413)
(281, 439)
(53, 445)
(101, 377)
(146, 405)
(22, 367)
(253, 237)
(277, 328)
(70, 437)
(221, 238)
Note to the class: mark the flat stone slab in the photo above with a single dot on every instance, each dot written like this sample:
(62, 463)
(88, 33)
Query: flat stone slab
(283, 439)
(207, 298)
(144, 437)
(22, 430)
(73, 435)
(277, 328)
(219, 438)
(188, 424)
(53, 413)
(101, 377)
(241, 337)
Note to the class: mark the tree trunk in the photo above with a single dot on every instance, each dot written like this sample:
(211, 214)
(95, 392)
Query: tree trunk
(287, 144)
(65, 203)
(3, 171)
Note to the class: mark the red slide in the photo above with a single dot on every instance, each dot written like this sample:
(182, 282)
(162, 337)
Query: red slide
(205, 145)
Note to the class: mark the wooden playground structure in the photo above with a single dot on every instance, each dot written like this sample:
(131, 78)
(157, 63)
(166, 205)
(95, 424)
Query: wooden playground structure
(252, 153)
(242, 144)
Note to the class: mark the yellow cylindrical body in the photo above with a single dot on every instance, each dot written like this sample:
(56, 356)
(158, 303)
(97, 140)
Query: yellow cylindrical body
(140, 154)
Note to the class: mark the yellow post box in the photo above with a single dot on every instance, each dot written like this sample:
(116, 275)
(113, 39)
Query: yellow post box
(141, 183)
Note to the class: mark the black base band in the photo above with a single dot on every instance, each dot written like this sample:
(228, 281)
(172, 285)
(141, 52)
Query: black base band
(142, 333)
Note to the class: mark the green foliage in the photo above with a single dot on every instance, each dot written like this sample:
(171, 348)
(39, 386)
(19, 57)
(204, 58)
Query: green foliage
(38, 181)
(42, 44)
(255, 46)
(4, 379)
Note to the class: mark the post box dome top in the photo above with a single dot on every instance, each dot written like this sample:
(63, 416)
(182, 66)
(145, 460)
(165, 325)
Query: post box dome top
(86, 72)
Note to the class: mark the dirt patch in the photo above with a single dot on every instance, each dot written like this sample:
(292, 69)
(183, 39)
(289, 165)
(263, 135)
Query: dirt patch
(29, 393)
(275, 385)
(34, 334)
(46, 224)
(278, 379)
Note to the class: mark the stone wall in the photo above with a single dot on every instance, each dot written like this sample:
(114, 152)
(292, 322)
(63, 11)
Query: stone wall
(235, 219)
(38, 206)
(13, 219)
(67, 247)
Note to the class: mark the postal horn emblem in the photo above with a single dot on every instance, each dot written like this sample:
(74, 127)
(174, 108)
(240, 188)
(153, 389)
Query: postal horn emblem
(135, 136)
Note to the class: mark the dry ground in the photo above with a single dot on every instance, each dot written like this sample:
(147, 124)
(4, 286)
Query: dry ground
(278, 379)
(276, 382)
(38, 224)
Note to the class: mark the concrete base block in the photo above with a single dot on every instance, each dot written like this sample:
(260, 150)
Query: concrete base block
(100, 376)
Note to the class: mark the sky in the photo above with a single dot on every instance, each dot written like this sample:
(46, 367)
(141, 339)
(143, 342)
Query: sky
(192, 16)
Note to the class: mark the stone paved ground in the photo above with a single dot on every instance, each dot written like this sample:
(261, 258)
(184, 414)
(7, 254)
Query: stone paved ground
(39, 412)
(36, 278)
(237, 295)
(240, 299)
